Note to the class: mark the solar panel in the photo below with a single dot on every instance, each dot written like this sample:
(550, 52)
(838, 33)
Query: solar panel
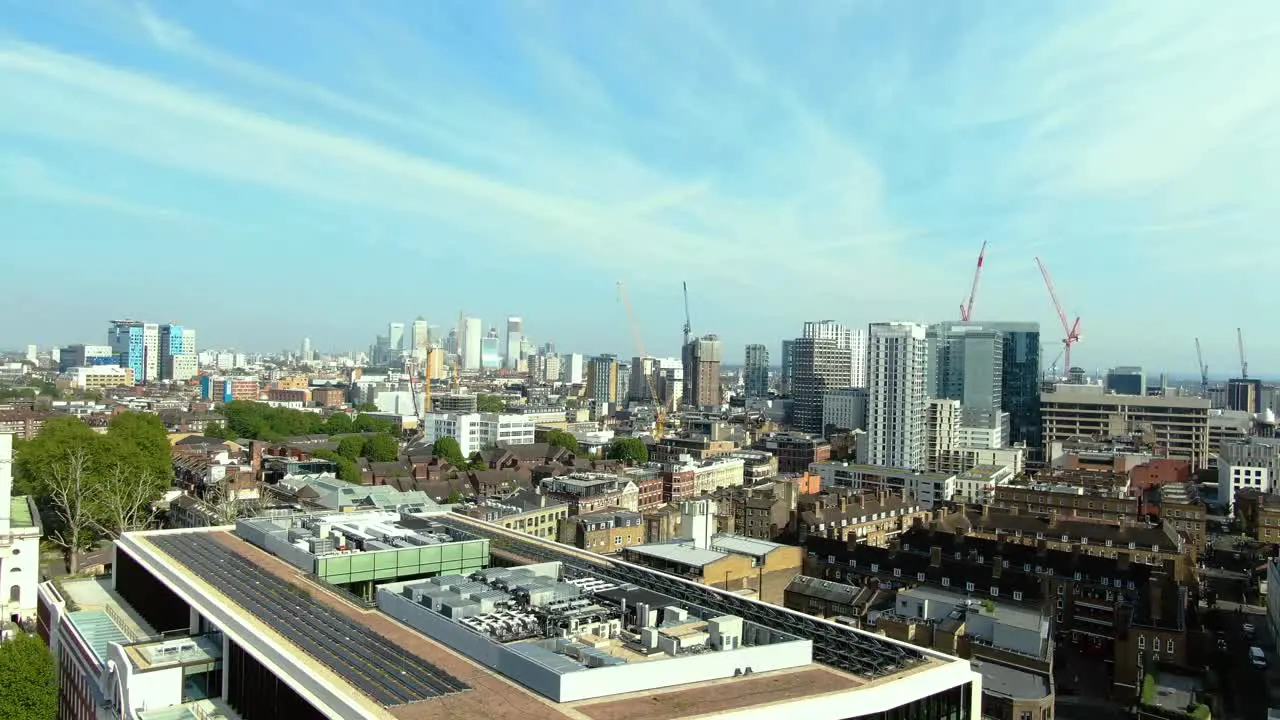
(381, 669)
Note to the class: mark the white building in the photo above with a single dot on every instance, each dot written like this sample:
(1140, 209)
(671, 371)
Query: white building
(476, 431)
(930, 489)
(978, 484)
(855, 341)
(19, 541)
(395, 336)
(898, 399)
(573, 369)
(845, 408)
(98, 377)
(1252, 463)
(472, 340)
(419, 339)
(515, 330)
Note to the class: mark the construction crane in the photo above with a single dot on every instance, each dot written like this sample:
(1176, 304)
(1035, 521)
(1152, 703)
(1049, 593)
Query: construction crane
(688, 326)
(660, 413)
(1204, 371)
(966, 308)
(1244, 364)
(1070, 330)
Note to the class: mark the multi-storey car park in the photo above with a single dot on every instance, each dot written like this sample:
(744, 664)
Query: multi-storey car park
(423, 614)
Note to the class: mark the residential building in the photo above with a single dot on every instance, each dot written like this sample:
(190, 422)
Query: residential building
(1179, 505)
(966, 363)
(1126, 380)
(178, 355)
(701, 360)
(898, 401)
(515, 334)
(1273, 591)
(572, 371)
(419, 339)
(20, 531)
(724, 560)
(978, 484)
(1259, 516)
(844, 409)
(477, 431)
(818, 365)
(796, 452)
(605, 532)
(1180, 425)
(588, 492)
(74, 356)
(849, 605)
(644, 371)
(855, 341)
(1244, 395)
(691, 478)
(329, 397)
(602, 380)
(471, 334)
(875, 518)
(136, 345)
(755, 370)
(523, 511)
(932, 489)
(225, 389)
(942, 433)
(1253, 463)
(1153, 632)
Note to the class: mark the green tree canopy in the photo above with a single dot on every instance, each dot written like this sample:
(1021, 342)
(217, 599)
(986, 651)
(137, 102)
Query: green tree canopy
(217, 430)
(369, 423)
(381, 448)
(351, 447)
(141, 439)
(447, 448)
(338, 423)
(490, 403)
(367, 407)
(562, 439)
(259, 421)
(629, 449)
(28, 680)
(348, 470)
(454, 498)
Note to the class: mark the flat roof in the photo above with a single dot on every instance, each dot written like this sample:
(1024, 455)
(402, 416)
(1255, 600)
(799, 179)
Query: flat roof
(679, 551)
(20, 515)
(1011, 682)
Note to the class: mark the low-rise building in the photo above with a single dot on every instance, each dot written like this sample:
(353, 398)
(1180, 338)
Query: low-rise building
(228, 389)
(796, 451)
(523, 511)
(691, 478)
(605, 532)
(586, 492)
(1152, 632)
(724, 560)
(978, 484)
(931, 489)
(97, 377)
(875, 518)
(856, 606)
(476, 431)
(20, 532)
(329, 396)
(1259, 516)
(1253, 464)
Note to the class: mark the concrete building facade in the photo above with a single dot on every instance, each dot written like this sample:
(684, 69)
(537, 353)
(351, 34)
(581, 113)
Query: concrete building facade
(898, 399)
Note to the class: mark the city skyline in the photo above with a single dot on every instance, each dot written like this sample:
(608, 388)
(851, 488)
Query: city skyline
(556, 146)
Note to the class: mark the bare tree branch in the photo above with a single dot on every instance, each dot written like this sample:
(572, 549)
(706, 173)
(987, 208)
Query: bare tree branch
(70, 494)
(127, 500)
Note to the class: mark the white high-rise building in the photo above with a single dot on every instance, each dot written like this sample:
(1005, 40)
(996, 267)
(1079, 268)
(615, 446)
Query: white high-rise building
(573, 369)
(855, 341)
(395, 336)
(898, 395)
(419, 339)
(472, 341)
(515, 332)
(306, 349)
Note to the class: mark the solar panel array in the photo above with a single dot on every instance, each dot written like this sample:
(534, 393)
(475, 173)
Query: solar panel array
(384, 671)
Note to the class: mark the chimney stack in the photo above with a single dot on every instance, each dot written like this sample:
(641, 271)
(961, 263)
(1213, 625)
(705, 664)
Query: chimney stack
(844, 503)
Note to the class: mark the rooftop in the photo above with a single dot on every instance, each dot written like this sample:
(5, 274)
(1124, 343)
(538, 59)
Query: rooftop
(21, 512)
(1011, 682)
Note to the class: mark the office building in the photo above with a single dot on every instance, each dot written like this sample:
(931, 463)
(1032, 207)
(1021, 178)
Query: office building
(1126, 380)
(1180, 425)
(490, 351)
(855, 341)
(755, 371)
(20, 531)
(1020, 381)
(966, 363)
(395, 337)
(788, 367)
(572, 369)
(602, 380)
(644, 377)
(476, 431)
(178, 358)
(819, 365)
(305, 351)
(1244, 395)
(898, 395)
(515, 333)
(224, 389)
(419, 339)
(136, 345)
(212, 622)
(471, 338)
(74, 356)
(1251, 464)
(702, 371)
(844, 409)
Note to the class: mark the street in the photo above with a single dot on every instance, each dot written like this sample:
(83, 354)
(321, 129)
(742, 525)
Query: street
(1245, 689)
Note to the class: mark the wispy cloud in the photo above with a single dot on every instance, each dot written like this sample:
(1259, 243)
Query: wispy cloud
(28, 178)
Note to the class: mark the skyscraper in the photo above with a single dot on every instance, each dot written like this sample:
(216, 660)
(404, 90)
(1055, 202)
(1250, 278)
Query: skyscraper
(573, 369)
(853, 340)
(755, 369)
(472, 334)
(644, 371)
(178, 359)
(515, 330)
(702, 371)
(602, 379)
(306, 349)
(818, 365)
(419, 339)
(1020, 384)
(395, 336)
(136, 345)
(1127, 380)
(898, 395)
(966, 363)
(786, 382)
(490, 354)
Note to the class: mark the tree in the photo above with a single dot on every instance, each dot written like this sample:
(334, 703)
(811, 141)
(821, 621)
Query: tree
(562, 439)
(216, 430)
(454, 498)
(629, 449)
(490, 404)
(348, 470)
(351, 447)
(369, 423)
(28, 680)
(141, 440)
(71, 489)
(338, 424)
(448, 449)
(366, 407)
(381, 448)
(126, 500)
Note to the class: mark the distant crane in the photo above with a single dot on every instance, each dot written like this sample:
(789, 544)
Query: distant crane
(1204, 371)
(966, 308)
(660, 413)
(688, 326)
(1244, 364)
(1070, 330)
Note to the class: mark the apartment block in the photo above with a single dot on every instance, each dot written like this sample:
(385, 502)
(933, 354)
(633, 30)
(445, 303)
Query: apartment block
(874, 518)
(897, 405)
(931, 489)
(795, 451)
(606, 532)
(1249, 464)
(476, 431)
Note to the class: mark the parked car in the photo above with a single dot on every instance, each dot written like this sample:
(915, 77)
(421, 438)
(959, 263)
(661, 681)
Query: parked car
(1257, 657)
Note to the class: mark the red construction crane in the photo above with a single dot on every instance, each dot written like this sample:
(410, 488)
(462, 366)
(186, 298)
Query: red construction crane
(966, 308)
(1071, 330)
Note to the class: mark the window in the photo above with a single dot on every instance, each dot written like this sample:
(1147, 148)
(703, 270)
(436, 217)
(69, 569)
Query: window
(946, 582)
(897, 572)
(968, 586)
(1142, 641)
(920, 577)
(1169, 646)
(1017, 594)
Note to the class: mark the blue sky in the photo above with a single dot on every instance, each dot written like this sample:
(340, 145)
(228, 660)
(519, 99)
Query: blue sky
(265, 170)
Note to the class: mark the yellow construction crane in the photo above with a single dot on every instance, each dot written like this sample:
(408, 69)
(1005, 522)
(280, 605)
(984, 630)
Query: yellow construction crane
(660, 414)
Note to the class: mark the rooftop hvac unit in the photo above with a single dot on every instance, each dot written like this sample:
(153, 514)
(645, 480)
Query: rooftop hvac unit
(674, 615)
